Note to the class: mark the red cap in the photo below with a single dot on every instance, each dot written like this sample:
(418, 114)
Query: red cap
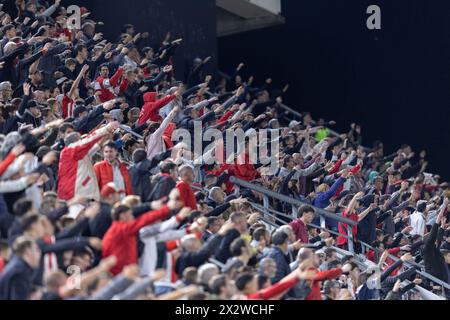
(109, 189)
(83, 10)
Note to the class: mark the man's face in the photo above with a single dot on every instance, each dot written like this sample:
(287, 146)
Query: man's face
(127, 216)
(36, 77)
(84, 53)
(220, 196)
(378, 184)
(447, 258)
(307, 119)
(308, 217)
(241, 225)
(110, 154)
(333, 257)
(270, 269)
(298, 159)
(104, 72)
(251, 287)
(188, 175)
(214, 228)
(11, 33)
(33, 255)
(7, 93)
(130, 31)
(134, 116)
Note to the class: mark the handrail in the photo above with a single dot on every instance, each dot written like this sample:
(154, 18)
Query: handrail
(291, 201)
(295, 202)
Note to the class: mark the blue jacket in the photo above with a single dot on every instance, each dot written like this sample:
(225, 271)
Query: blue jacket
(282, 262)
(322, 201)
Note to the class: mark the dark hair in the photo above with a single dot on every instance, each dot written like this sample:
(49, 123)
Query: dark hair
(111, 145)
(66, 125)
(258, 233)
(286, 160)
(329, 252)
(377, 243)
(65, 88)
(211, 221)
(22, 206)
(83, 251)
(261, 280)
(236, 247)
(27, 222)
(78, 48)
(304, 210)
(139, 155)
(279, 238)
(333, 264)
(243, 279)
(118, 210)
(167, 166)
(217, 283)
(7, 27)
(421, 206)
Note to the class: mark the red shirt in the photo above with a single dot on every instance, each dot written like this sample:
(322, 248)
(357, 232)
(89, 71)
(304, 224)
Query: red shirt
(187, 196)
(67, 107)
(342, 227)
(321, 276)
(120, 239)
(300, 230)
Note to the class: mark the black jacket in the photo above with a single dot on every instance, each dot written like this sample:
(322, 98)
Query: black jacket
(223, 253)
(433, 258)
(195, 259)
(16, 280)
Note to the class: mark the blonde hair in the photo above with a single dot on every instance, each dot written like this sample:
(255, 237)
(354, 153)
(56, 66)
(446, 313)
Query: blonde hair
(131, 201)
(323, 187)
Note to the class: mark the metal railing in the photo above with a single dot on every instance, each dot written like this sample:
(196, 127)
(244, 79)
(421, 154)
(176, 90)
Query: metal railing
(296, 204)
(270, 214)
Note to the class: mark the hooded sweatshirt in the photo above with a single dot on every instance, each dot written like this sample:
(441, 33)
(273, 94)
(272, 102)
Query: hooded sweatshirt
(152, 106)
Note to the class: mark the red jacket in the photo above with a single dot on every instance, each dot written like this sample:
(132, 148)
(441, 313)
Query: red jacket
(187, 196)
(394, 251)
(321, 276)
(107, 87)
(342, 227)
(152, 106)
(104, 173)
(120, 239)
(76, 174)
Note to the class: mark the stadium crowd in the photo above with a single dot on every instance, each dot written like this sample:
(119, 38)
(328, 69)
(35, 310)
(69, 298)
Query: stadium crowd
(97, 200)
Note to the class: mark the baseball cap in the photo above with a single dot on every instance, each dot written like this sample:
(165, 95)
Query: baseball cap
(293, 124)
(32, 104)
(109, 189)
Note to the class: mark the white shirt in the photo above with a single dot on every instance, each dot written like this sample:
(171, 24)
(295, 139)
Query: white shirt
(417, 221)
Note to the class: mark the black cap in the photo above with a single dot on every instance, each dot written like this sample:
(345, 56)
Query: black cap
(32, 104)
(78, 110)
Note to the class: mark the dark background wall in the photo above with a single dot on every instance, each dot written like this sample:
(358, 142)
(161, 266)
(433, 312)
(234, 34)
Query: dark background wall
(194, 21)
(395, 82)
